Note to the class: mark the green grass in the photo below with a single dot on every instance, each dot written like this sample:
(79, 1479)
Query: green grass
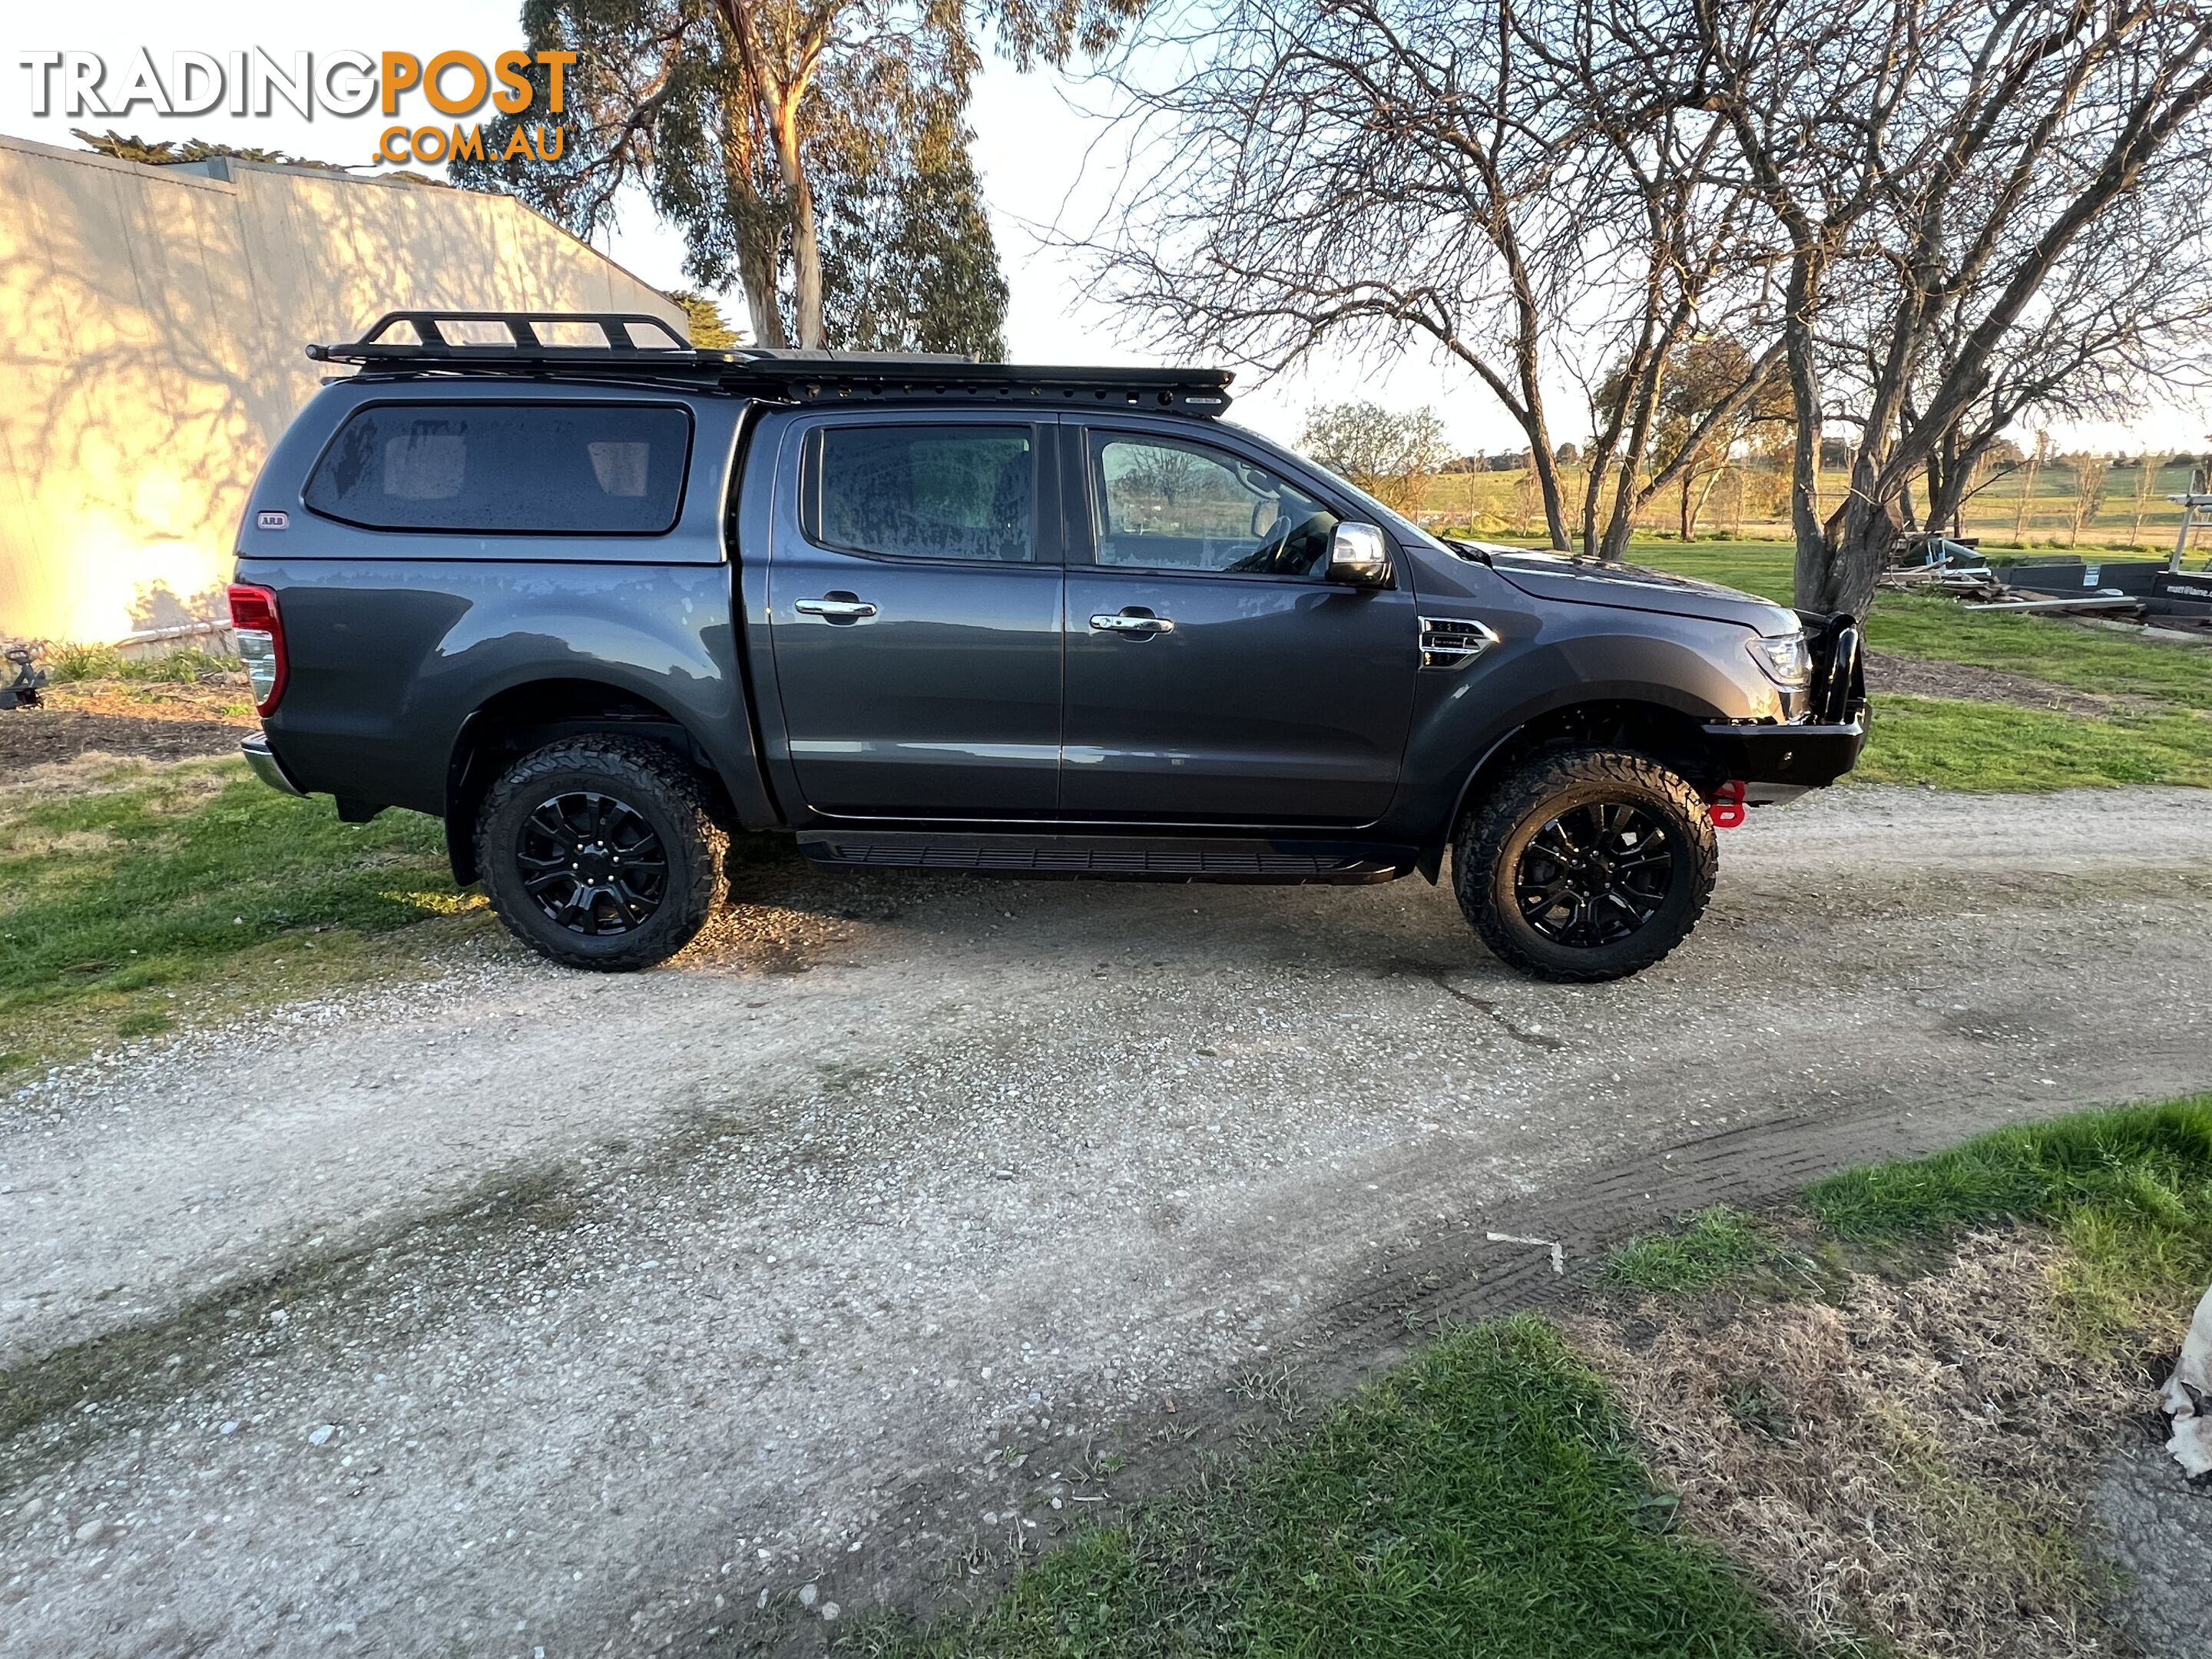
(68, 663)
(1925, 625)
(2129, 1190)
(2147, 1165)
(1766, 568)
(1994, 747)
(1922, 625)
(1713, 1245)
(1485, 1498)
(164, 887)
(1956, 744)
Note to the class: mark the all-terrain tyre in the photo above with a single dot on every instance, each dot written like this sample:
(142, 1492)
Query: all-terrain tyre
(601, 853)
(1585, 864)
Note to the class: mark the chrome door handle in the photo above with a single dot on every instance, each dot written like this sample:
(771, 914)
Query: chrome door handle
(1128, 624)
(837, 607)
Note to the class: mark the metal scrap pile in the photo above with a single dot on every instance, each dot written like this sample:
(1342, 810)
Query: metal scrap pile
(2154, 592)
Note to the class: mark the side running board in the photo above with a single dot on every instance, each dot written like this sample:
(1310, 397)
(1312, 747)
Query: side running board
(1131, 858)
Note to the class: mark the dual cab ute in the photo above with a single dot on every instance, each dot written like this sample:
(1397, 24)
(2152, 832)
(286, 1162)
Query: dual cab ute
(599, 600)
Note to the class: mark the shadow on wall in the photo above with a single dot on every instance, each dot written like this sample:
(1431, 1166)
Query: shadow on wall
(151, 327)
(160, 605)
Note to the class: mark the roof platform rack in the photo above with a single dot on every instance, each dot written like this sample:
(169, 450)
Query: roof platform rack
(632, 346)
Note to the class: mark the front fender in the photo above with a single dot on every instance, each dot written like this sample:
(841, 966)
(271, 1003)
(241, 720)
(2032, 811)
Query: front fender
(1549, 659)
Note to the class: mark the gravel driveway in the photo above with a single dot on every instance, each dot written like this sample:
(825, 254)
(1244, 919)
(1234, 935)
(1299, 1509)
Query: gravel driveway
(522, 1310)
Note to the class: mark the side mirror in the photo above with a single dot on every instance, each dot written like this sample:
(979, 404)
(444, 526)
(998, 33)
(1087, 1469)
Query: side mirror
(1359, 556)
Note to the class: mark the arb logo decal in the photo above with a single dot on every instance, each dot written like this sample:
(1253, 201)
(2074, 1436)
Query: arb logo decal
(270, 520)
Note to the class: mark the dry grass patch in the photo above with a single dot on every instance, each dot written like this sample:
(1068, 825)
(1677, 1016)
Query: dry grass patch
(1902, 1471)
(93, 773)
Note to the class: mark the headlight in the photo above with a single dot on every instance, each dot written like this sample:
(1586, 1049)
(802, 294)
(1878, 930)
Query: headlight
(1787, 659)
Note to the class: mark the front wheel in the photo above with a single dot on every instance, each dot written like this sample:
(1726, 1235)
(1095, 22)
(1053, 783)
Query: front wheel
(601, 853)
(1586, 864)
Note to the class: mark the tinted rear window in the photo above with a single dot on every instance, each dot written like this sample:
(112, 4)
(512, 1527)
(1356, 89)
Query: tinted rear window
(529, 469)
(923, 492)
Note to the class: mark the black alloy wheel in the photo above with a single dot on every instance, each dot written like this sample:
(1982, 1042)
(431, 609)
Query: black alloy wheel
(1595, 874)
(593, 863)
(1585, 864)
(602, 852)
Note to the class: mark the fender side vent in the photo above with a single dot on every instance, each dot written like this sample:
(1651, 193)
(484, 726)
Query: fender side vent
(1453, 641)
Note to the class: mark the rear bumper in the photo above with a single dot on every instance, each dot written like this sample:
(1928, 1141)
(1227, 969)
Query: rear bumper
(266, 767)
(1805, 755)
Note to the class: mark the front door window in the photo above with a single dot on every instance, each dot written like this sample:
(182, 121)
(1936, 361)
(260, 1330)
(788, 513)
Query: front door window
(1166, 505)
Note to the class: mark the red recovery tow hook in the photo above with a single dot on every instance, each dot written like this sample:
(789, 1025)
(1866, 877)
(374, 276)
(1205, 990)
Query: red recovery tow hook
(1727, 806)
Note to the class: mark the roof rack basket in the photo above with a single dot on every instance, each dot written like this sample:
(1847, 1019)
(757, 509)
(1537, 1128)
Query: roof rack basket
(532, 337)
(621, 346)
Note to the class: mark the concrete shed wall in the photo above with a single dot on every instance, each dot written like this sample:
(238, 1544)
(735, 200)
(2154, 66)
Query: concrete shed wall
(151, 326)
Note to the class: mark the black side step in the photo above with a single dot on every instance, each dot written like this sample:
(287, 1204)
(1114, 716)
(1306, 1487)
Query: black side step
(1128, 858)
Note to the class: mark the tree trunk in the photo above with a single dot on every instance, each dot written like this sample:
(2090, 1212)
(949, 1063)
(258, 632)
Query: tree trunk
(757, 271)
(1546, 466)
(1704, 498)
(1855, 545)
(775, 89)
(1962, 472)
(806, 240)
(1813, 553)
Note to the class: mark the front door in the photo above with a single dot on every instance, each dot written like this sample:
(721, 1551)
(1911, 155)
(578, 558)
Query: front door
(1213, 675)
(915, 618)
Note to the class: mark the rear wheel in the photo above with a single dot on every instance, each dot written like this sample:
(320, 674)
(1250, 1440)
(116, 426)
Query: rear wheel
(601, 853)
(1586, 863)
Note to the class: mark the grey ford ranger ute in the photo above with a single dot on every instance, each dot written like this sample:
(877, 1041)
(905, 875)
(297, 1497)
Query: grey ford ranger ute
(599, 600)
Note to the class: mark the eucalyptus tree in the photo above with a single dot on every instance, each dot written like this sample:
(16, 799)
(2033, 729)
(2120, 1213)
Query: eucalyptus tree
(1393, 454)
(749, 123)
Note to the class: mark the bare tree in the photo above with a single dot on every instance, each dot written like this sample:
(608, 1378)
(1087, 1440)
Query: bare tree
(1930, 220)
(1952, 164)
(1513, 185)
(2029, 469)
(1667, 253)
(2093, 476)
(2126, 311)
(1333, 174)
(2148, 467)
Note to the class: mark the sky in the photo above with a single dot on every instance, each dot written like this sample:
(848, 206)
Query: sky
(1038, 149)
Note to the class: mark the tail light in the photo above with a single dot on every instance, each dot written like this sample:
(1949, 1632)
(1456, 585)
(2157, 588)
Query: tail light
(260, 634)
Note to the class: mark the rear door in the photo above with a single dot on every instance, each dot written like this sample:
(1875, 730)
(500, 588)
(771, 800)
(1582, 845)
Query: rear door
(1213, 674)
(915, 615)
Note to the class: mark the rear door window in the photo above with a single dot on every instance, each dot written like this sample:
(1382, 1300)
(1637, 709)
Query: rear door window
(548, 469)
(923, 492)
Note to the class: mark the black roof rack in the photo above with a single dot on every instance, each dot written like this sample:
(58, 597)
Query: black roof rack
(453, 342)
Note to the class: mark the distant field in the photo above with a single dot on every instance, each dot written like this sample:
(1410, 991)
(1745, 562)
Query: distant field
(1750, 502)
